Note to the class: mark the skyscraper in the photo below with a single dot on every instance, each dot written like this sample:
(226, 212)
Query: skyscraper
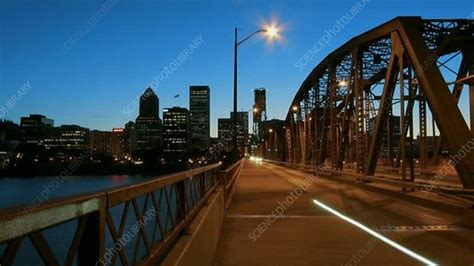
(199, 108)
(130, 139)
(176, 133)
(225, 130)
(242, 129)
(149, 104)
(259, 108)
(148, 123)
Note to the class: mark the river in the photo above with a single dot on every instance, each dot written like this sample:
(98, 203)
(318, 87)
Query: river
(24, 190)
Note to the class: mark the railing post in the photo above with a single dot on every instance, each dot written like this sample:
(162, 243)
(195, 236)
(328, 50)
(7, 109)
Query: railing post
(221, 179)
(92, 245)
(181, 200)
(221, 176)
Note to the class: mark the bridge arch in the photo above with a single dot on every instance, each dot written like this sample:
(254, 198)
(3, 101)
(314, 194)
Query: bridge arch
(360, 108)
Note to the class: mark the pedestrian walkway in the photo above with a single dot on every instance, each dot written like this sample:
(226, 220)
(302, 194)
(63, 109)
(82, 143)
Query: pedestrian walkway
(304, 235)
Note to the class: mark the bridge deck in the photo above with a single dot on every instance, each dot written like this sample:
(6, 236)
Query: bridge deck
(309, 235)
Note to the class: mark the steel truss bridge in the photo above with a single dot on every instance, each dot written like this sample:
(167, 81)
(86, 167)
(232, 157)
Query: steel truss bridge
(360, 109)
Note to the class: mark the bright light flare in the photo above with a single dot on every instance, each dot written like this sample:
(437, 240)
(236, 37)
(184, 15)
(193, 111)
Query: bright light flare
(272, 31)
(375, 234)
(343, 83)
(255, 159)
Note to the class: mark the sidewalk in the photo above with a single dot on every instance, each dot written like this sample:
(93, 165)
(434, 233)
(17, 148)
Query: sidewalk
(305, 235)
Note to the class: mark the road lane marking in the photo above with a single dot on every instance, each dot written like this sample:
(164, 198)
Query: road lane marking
(375, 234)
(410, 228)
(261, 216)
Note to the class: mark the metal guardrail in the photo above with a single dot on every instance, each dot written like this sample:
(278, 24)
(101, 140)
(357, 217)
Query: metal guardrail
(229, 178)
(460, 194)
(135, 224)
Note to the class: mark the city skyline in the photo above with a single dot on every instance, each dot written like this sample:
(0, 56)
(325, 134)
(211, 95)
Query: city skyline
(64, 70)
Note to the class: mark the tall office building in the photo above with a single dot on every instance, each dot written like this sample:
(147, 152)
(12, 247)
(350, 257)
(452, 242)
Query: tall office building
(176, 133)
(199, 115)
(148, 123)
(242, 127)
(259, 108)
(225, 130)
(130, 139)
(149, 104)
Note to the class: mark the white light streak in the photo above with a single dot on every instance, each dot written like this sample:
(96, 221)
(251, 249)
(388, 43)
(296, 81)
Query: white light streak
(375, 234)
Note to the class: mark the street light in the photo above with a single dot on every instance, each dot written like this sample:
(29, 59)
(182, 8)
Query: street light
(343, 82)
(272, 143)
(271, 32)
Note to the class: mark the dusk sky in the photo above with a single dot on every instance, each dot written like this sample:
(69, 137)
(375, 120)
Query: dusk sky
(89, 71)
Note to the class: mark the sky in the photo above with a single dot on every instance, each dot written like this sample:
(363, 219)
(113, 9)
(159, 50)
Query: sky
(86, 62)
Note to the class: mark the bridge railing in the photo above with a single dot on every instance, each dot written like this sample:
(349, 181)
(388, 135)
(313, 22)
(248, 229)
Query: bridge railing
(134, 224)
(460, 194)
(228, 178)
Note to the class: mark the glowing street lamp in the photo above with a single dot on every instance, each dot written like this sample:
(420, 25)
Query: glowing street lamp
(294, 108)
(271, 32)
(343, 82)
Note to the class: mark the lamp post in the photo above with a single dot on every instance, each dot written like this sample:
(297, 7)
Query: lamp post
(294, 109)
(271, 32)
(271, 144)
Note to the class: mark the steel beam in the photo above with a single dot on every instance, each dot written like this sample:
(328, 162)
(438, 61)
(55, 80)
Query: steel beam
(457, 91)
(387, 95)
(448, 116)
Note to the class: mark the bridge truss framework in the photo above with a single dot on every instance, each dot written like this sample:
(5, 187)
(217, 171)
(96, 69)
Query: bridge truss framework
(361, 107)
